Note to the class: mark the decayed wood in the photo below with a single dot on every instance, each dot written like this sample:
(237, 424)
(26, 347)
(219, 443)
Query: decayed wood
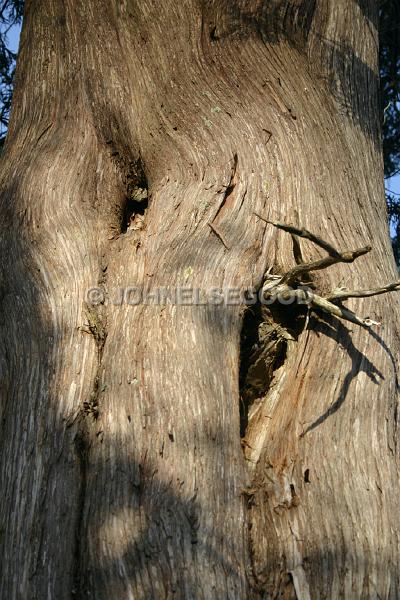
(123, 474)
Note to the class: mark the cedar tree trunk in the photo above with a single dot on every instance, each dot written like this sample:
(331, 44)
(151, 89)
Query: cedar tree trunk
(133, 465)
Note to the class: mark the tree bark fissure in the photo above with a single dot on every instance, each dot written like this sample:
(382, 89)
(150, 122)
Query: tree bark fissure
(82, 449)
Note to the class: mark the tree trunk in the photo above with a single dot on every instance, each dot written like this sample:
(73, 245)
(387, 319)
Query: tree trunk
(124, 473)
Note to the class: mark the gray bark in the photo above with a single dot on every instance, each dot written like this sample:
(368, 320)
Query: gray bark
(123, 471)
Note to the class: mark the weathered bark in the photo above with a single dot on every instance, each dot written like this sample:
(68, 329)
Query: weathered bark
(123, 471)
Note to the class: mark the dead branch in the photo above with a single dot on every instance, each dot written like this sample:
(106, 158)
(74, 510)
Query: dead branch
(281, 287)
(344, 294)
(304, 233)
(338, 311)
(312, 300)
(323, 263)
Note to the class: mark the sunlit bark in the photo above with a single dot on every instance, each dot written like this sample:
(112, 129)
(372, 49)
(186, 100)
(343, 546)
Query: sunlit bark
(124, 474)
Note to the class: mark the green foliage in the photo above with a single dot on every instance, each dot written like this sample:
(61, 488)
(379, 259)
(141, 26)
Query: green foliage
(389, 40)
(393, 204)
(11, 12)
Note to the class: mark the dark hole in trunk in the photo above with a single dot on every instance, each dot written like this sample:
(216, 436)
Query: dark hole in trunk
(131, 209)
(263, 349)
(137, 192)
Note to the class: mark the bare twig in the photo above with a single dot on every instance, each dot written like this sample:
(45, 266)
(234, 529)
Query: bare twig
(280, 289)
(338, 311)
(344, 294)
(304, 233)
(323, 263)
(286, 294)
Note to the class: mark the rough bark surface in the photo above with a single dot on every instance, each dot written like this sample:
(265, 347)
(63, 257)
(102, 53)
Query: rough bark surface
(123, 471)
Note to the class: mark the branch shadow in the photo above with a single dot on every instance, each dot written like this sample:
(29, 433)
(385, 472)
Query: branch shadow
(172, 538)
(51, 531)
(353, 84)
(334, 328)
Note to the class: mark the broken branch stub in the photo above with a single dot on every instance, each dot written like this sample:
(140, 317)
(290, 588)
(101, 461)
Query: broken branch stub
(285, 285)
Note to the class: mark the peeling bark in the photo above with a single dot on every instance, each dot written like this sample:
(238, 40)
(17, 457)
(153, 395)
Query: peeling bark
(144, 136)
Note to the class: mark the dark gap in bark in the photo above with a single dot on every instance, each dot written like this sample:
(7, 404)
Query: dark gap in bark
(230, 187)
(97, 327)
(134, 180)
(289, 591)
(91, 406)
(82, 450)
(137, 196)
(213, 34)
(307, 476)
(295, 498)
(132, 211)
(265, 333)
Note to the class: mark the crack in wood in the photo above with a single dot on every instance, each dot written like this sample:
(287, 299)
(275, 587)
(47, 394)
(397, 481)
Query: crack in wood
(266, 333)
(229, 189)
(81, 445)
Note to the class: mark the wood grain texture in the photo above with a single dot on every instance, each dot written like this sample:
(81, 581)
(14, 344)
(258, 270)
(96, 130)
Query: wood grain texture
(231, 108)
